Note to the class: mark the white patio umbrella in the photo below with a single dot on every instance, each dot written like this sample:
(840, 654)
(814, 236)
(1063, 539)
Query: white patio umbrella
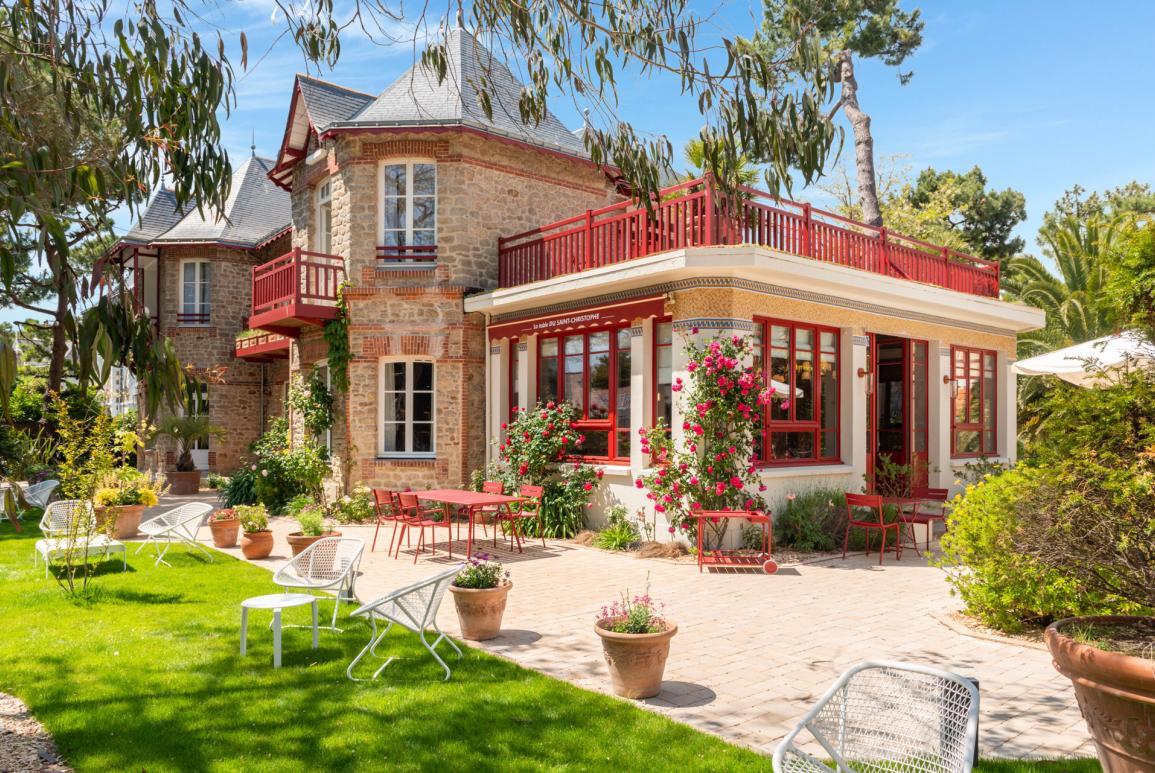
(1083, 364)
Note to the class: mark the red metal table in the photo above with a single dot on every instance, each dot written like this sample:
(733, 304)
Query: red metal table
(901, 503)
(741, 558)
(472, 501)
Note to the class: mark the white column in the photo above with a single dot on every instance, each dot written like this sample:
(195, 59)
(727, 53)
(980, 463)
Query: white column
(523, 377)
(1007, 409)
(494, 398)
(854, 406)
(529, 371)
(938, 414)
(641, 388)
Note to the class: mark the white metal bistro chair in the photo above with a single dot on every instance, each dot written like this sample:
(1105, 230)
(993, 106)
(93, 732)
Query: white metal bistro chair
(38, 494)
(893, 717)
(70, 532)
(180, 524)
(328, 564)
(413, 607)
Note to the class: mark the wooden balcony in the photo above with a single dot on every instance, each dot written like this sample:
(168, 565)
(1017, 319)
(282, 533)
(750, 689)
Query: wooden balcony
(694, 214)
(262, 347)
(296, 290)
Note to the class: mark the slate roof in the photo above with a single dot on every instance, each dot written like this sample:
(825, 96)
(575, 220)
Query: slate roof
(418, 99)
(160, 215)
(328, 103)
(255, 211)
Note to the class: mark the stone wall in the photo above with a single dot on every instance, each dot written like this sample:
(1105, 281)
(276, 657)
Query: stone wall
(234, 385)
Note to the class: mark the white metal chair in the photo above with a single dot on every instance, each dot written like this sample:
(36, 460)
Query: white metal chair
(38, 494)
(413, 607)
(328, 564)
(894, 717)
(180, 524)
(69, 528)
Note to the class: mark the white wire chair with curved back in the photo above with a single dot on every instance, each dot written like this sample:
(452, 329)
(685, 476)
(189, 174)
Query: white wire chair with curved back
(180, 524)
(70, 531)
(328, 564)
(39, 494)
(413, 607)
(883, 716)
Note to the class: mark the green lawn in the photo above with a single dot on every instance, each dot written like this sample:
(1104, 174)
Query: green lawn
(148, 678)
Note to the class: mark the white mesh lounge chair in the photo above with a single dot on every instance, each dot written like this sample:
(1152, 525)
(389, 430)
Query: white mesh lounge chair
(892, 717)
(70, 532)
(328, 564)
(180, 524)
(38, 494)
(413, 607)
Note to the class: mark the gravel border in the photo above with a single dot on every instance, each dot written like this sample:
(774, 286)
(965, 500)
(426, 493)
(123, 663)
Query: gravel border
(24, 743)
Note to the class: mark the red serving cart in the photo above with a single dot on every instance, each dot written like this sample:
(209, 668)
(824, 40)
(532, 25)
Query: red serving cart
(739, 558)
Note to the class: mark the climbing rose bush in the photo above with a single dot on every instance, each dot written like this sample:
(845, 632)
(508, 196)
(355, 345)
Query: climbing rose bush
(713, 467)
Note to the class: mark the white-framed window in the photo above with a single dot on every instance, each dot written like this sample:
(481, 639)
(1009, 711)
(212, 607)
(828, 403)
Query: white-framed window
(322, 367)
(408, 216)
(196, 292)
(197, 404)
(406, 405)
(324, 236)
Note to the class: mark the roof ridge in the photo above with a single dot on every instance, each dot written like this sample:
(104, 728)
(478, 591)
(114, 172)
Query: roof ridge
(324, 82)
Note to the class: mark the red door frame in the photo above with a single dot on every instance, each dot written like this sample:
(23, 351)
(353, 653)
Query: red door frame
(909, 428)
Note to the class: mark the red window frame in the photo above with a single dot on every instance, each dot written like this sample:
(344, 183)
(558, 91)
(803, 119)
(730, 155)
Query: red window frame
(961, 395)
(812, 426)
(654, 367)
(584, 424)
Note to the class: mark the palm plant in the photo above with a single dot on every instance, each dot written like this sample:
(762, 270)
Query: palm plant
(187, 431)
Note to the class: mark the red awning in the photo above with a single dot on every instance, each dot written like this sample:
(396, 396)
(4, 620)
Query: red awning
(609, 315)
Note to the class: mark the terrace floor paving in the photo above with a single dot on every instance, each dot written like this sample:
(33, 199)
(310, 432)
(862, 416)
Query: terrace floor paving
(753, 652)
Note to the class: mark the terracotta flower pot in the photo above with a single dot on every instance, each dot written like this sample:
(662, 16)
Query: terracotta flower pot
(1116, 695)
(637, 661)
(257, 544)
(479, 610)
(125, 517)
(225, 533)
(298, 541)
(183, 483)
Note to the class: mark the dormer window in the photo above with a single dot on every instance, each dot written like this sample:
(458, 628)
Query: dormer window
(324, 237)
(408, 228)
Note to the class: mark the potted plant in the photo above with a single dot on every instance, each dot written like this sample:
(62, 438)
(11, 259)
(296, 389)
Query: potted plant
(311, 519)
(479, 594)
(257, 541)
(187, 431)
(636, 641)
(121, 497)
(226, 527)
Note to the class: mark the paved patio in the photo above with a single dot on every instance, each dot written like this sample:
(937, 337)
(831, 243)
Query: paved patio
(753, 651)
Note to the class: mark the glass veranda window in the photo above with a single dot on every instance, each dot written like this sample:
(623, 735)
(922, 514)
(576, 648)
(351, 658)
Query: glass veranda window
(974, 427)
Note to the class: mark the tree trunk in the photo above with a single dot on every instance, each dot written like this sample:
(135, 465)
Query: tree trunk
(863, 141)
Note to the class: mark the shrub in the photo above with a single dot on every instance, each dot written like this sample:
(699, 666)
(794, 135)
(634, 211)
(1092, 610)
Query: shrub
(480, 572)
(620, 533)
(311, 519)
(215, 481)
(240, 488)
(253, 517)
(356, 507)
(127, 486)
(813, 520)
(286, 473)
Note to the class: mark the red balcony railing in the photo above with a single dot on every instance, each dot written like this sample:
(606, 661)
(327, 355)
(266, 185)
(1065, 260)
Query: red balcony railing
(410, 253)
(261, 346)
(693, 214)
(299, 288)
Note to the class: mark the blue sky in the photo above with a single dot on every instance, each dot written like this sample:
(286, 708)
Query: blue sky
(1041, 95)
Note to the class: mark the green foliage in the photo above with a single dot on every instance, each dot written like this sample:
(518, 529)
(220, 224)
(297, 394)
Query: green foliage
(983, 218)
(274, 439)
(26, 455)
(978, 470)
(289, 472)
(481, 572)
(813, 520)
(253, 518)
(337, 339)
(241, 488)
(129, 486)
(216, 481)
(88, 448)
(313, 402)
(355, 507)
(1130, 283)
(187, 431)
(311, 519)
(620, 533)
(640, 614)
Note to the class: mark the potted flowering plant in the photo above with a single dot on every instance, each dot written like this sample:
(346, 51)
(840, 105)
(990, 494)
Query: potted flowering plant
(311, 519)
(257, 540)
(479, 593)
(636, 641)
(121, 497)
(226, 527)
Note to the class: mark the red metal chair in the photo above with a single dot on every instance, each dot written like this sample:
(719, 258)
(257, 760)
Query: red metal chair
(871, 502)
(931, 507)
(388, 511)
(414, 514)
(530, 507)
(490, 487)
